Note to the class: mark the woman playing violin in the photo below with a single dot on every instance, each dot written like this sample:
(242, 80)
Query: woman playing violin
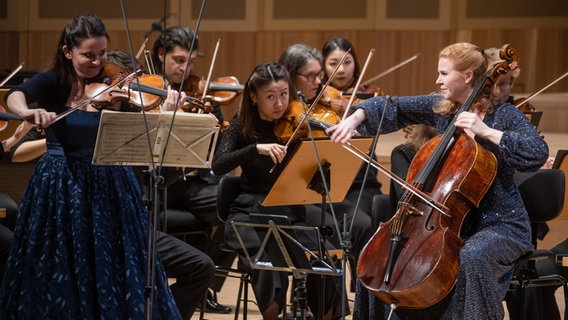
(348, 73)
(79, 244)
(304, 64)
(344, 80)
(250, 143)
(497, 233)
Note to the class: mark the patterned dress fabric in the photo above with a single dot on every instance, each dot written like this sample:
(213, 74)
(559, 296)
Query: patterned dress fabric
(80, 244)
(496, 234)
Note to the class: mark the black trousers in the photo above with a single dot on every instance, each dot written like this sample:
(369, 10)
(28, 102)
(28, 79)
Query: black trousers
(6, 228)
(192, 269)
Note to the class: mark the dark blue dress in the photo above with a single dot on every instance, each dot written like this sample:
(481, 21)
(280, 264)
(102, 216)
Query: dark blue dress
(496, 234)
(79, 250)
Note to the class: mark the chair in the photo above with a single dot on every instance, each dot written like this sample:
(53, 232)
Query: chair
(229, 189)
(380, 209)
(176, 222)
(543, 196)
(185, 225)
(561, 162)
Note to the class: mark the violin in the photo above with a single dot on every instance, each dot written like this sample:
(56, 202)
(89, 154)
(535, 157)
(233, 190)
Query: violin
(285, 127)
(523, 105)
(115, 87)
(412, 260)
(153, 90)
(222, 90)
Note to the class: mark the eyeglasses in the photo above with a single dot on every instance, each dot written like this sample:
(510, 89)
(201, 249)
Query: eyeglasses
(311, 77)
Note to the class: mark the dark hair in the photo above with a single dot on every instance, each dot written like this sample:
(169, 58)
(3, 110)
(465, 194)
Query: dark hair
(174, 36)
(123, 59)
(295, 57)
(264, 73)
(339, 43)
(80, 28)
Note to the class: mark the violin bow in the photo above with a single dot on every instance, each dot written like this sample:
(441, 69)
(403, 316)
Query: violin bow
(210, 71)
(423, 196)
(354, 94)
(541, 90)
(12, 74)
(391, 69)
(142, 47)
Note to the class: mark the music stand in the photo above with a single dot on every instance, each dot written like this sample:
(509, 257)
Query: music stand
(122, 139)
(281, 244)
(534, 117)
(300, 170)
(126, 138)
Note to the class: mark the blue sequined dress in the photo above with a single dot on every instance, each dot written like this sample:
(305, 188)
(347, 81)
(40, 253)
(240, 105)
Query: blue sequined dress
(79, 249)
(496, 234)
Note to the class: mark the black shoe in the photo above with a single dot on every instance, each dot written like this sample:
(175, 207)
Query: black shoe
(211, 304)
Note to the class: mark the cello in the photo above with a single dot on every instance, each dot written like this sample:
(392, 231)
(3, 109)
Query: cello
(412, 260)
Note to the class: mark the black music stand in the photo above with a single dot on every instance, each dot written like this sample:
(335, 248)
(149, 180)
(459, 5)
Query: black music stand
(126, 138)
(297, 249)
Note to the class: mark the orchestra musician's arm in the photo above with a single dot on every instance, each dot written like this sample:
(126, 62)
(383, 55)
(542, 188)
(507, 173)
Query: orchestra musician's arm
(21, 131)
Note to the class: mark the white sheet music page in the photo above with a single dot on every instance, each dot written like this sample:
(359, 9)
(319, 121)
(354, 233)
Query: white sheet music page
(124, 139)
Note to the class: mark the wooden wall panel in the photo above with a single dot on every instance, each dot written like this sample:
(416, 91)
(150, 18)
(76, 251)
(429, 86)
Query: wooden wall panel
(252, 39)
(542, 52)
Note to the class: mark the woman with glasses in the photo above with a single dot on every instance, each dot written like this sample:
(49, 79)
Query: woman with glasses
(305, 65)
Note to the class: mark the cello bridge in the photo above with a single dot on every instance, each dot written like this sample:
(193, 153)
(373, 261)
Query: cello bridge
(411, 210)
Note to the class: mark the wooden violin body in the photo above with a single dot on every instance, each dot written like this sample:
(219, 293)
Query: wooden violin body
(114, 88)
(286, 126)
(222, 90)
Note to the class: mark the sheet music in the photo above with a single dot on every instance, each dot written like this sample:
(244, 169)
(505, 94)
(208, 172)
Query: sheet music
(123, 139)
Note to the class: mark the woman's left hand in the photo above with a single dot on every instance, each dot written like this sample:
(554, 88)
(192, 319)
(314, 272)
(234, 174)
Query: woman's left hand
(474, 126)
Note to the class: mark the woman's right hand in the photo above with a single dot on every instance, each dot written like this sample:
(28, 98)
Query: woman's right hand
(40, 117)
(275, 151)
(344, 130)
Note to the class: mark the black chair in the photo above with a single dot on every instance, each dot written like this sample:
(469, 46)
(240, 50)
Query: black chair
(176, 222)
(380, 210)
(543, 196)
(184, 225)
(229, 189)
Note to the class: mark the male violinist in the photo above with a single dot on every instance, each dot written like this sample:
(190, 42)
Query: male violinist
(197, 192)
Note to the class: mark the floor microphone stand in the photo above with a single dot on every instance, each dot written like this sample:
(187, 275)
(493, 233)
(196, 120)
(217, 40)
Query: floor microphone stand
(318, 184)
(151, 200)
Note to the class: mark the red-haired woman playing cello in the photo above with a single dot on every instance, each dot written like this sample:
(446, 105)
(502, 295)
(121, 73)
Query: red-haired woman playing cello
(495, 234)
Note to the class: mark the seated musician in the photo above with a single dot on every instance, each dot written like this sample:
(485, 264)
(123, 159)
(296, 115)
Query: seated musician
(497, 232)
(304, 64)
(250, 143)
(345, 80)
(196, 193)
